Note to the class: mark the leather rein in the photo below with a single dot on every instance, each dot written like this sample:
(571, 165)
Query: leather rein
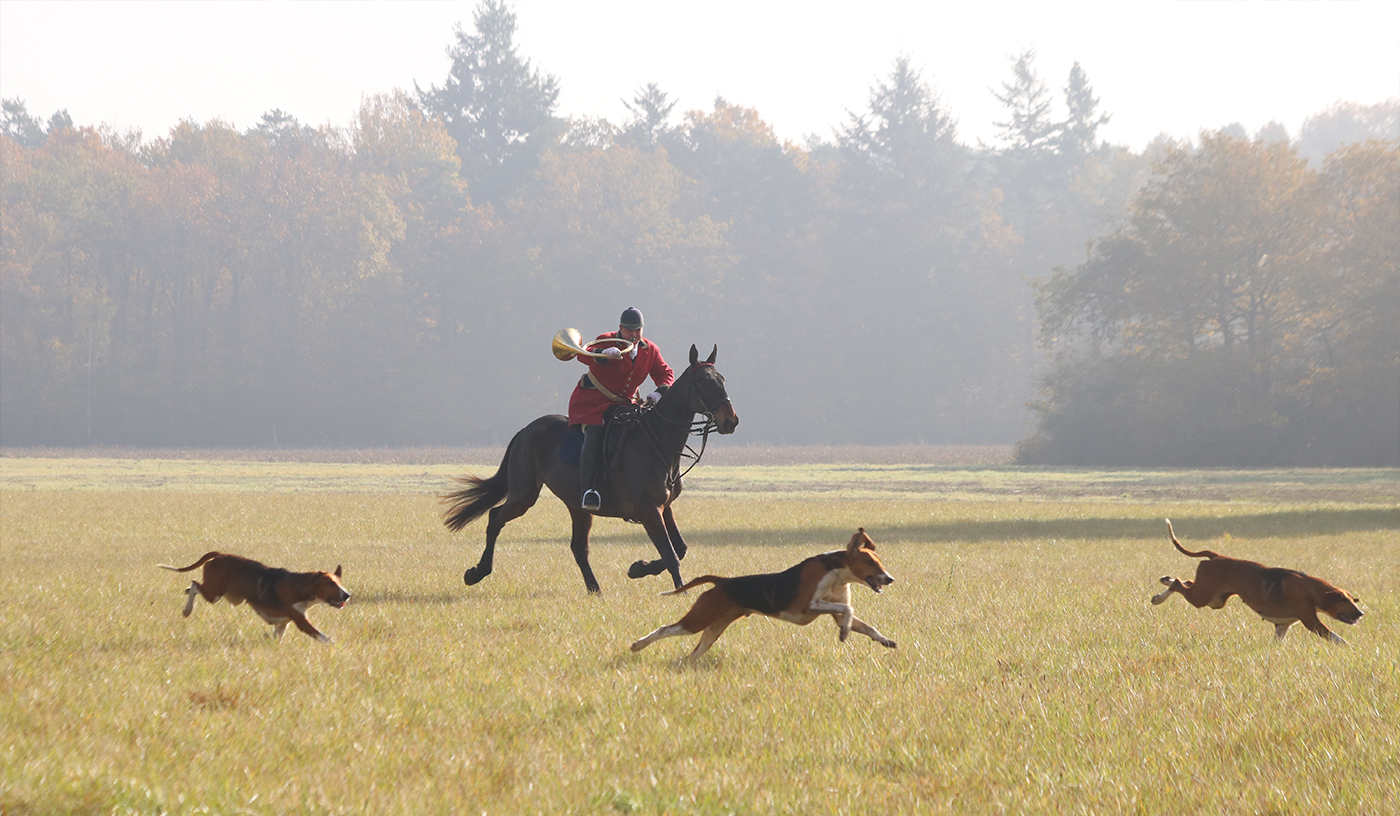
(697, 427)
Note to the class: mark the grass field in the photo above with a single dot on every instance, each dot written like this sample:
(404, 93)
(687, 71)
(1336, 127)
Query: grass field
(1032, 674)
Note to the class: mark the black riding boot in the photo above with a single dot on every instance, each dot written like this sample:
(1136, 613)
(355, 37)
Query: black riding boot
(588, 466)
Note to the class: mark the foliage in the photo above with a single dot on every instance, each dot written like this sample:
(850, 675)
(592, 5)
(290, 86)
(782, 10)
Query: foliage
(231, 289)
(650, 108)
(918, 272)
(494, 104)
(1210, 329)
(1078, 137)
(394, 282)
(1348, 123)
(1029, 128)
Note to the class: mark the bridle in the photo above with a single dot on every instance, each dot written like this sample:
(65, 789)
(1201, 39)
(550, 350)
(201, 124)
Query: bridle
(709, 423)
(697, 427)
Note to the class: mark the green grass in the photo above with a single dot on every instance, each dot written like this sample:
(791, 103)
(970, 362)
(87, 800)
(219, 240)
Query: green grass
(1032, 675)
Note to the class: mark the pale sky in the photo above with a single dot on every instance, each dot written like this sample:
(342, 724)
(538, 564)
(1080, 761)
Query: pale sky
(1158, 66)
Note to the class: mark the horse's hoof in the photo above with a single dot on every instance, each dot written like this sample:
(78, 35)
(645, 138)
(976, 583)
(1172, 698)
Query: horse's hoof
(473, 576)
(643, 568)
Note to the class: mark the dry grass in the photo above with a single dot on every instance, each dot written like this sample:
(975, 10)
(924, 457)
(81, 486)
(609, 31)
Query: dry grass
(1033, 676)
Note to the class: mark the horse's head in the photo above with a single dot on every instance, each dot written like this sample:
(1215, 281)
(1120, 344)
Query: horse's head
(707, 394)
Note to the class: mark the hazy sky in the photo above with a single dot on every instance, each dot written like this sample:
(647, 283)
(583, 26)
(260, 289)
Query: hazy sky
(1173, 66)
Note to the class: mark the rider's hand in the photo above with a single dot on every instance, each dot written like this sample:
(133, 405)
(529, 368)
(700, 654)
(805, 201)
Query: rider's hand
(653, 397)
(612, 353)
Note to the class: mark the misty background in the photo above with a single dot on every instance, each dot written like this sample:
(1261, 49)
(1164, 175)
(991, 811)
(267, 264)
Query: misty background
(1231, 300)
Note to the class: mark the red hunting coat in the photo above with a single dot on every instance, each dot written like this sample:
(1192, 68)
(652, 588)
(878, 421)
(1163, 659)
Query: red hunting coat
(621, 377)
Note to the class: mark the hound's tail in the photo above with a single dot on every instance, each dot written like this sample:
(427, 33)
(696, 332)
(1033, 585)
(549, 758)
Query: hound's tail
(206, 557)
(704, 579)
(1201, 554)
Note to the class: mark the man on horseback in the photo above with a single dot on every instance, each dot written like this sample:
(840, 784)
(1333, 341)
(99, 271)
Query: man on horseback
(612, 380)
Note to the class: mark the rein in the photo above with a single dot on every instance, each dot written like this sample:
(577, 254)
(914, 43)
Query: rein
(696, 427)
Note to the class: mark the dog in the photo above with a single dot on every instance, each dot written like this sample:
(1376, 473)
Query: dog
(277, 595)
(817, 586)
(1282, 597)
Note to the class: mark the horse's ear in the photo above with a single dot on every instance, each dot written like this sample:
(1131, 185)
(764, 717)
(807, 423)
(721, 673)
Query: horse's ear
(713, 352)
(694, 354)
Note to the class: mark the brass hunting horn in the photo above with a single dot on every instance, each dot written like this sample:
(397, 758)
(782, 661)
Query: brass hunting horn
(568, 344)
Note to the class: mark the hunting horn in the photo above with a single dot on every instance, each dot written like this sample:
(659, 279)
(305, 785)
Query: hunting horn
(568, 343)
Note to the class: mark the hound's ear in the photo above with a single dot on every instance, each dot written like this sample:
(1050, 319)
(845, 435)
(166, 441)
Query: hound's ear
(337, 570)
(713, 352)
(694, 354)
(860, 539)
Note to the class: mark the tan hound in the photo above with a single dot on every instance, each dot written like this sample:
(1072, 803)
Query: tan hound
(1280, 596)
(278, 596)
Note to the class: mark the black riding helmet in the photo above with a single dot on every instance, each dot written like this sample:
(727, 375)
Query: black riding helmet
(631, 318)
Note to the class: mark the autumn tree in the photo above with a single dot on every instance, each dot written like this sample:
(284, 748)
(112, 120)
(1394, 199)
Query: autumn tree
(771, 201)
(1351, 402)
(1193, 334)
(70, 253)
(1346, 123)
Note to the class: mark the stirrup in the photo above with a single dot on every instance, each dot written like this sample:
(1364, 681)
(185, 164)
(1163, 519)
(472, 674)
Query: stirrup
(592, 500)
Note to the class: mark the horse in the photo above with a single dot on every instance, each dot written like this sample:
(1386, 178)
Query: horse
(640, 480)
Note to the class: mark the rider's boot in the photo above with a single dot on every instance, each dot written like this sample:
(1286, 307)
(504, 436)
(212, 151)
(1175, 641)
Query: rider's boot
(588, 466)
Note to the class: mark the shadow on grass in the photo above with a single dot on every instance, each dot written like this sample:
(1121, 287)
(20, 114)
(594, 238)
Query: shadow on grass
(1261, 525)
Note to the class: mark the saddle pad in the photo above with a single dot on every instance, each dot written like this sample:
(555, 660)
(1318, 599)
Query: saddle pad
(571, 446)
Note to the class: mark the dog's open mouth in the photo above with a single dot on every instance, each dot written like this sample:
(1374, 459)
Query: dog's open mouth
(878, 583)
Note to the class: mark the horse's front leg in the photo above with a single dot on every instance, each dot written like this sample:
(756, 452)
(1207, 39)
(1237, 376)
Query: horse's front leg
(674, 532)
(656, 529)
(583, 524)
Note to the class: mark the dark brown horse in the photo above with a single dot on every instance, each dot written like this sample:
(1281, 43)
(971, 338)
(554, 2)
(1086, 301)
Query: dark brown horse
(641, 478)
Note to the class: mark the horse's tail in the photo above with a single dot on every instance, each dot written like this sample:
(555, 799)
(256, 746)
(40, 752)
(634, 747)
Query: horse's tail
(476, 496)
(704, 579)
(1201, 554)
(206, 557)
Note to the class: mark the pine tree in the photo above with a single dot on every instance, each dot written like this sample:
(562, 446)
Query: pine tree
(27, 130)
(650, 108)
(906, 132)
(1078, 138)
(498, 108)
(1027, 100)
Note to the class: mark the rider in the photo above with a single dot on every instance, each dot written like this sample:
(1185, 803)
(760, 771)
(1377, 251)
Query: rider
(612, 380)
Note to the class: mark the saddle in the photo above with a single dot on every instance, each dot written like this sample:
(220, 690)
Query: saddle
(617, 420)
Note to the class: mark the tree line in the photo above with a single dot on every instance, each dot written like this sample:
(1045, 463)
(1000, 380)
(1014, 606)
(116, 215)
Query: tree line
(396, 282)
